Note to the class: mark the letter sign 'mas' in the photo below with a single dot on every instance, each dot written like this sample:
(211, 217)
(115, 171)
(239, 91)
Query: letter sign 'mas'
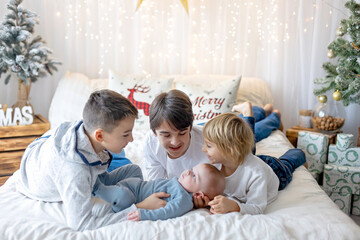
(16, 116)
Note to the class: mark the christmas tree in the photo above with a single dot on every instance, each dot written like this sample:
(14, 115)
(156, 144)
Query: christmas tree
(27, 58)
(343, 77)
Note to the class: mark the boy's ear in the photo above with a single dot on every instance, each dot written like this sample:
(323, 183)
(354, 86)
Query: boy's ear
(99, 135)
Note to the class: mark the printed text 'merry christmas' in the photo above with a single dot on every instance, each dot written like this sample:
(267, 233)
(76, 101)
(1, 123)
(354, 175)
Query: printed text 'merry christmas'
(201, 101)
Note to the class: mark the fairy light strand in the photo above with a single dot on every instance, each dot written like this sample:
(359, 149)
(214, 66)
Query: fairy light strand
(261, 28)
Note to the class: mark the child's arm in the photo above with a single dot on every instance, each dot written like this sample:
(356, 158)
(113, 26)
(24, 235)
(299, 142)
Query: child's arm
(176, 207)
(154, 201)
(73, 184)
(253, 201)
(222, 204)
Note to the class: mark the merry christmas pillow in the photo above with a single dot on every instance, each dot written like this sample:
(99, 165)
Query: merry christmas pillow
(211, 95)
(141, 91)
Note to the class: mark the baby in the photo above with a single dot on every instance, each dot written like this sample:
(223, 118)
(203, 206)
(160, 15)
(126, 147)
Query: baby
(203, 179)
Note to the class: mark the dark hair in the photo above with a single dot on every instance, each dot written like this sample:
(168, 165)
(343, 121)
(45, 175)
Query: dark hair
(174, 107)
(105, 108)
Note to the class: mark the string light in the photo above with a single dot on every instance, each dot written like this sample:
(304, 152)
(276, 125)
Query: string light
(107, 24)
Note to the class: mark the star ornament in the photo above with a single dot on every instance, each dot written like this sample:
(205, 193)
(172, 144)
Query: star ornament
(183, 2)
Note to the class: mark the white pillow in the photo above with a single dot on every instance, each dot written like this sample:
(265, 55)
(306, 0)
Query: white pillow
(256, 91)
(71, 94)
(141, 91)
(211, 95)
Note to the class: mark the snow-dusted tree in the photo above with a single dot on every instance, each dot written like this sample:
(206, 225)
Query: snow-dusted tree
(20, 53)
(343, 74)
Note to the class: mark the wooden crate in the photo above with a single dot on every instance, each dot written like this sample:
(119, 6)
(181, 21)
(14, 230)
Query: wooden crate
(13, 142)
(292, 134)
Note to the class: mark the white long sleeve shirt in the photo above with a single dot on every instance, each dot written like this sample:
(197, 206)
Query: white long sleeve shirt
(159, 165)
(253, 185)
(62, 167)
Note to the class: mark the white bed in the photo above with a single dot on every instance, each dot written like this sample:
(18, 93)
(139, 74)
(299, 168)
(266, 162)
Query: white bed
(301, 211)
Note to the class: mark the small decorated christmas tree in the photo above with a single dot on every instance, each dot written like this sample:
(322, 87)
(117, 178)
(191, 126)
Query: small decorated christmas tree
(343, 76)
(27, 58)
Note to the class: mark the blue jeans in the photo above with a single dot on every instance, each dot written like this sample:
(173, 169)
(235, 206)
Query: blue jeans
(261, 125)
(285, 165)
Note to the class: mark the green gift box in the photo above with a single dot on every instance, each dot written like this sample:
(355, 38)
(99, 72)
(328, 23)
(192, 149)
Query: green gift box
(315, 146)
(347, 157)
(341, 179)
(343, 200)
(356, 205)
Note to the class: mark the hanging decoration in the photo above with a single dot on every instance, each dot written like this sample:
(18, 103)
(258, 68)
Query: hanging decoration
(337, 95)
(322, 98)
(340, 32)
(183, 2)
(330, 54)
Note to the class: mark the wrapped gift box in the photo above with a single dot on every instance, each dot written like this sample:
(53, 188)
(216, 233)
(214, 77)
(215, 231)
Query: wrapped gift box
(348, 157)
(344, 153)
(343, 200)
(356, 205)
(315, 146)
(342, 179)
(345, 141)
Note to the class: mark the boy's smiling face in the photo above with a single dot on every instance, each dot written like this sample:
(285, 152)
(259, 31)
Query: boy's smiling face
(174, 141)
(120, 136)
(212, 152)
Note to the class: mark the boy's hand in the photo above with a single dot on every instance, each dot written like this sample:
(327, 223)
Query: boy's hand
(154, 201)
(200, 201)
(222, 204)
(134, 216)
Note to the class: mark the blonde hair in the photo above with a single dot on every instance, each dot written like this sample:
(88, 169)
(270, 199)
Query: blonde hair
(232, 136)
(216, 182)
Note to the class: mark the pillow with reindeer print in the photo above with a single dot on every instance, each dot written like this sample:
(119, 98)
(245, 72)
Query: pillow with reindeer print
(210, 95)
(140, 90)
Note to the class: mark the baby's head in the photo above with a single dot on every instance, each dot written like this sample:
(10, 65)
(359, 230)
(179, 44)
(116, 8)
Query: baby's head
(232, 136)
(108, 115)
(203, 179)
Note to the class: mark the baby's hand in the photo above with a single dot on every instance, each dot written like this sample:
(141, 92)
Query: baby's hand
(222, 204)
(200, 201)
(134, 216)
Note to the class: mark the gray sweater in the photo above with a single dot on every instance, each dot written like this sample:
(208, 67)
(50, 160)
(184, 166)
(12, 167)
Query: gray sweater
(62, 166)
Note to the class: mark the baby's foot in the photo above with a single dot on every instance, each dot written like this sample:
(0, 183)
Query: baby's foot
(268, 108)
(281, 127)
(245, 108)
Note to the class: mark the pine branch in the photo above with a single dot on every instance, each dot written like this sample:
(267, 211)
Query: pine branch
(343, 73)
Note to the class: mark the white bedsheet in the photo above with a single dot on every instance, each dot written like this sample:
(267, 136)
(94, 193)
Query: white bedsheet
(301, 211)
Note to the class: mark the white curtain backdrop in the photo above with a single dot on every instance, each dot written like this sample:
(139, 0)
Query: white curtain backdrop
(283, 42)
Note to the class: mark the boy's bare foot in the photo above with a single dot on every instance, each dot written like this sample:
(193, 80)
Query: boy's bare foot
(281, 127)
(268, 108)
(245, 108)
